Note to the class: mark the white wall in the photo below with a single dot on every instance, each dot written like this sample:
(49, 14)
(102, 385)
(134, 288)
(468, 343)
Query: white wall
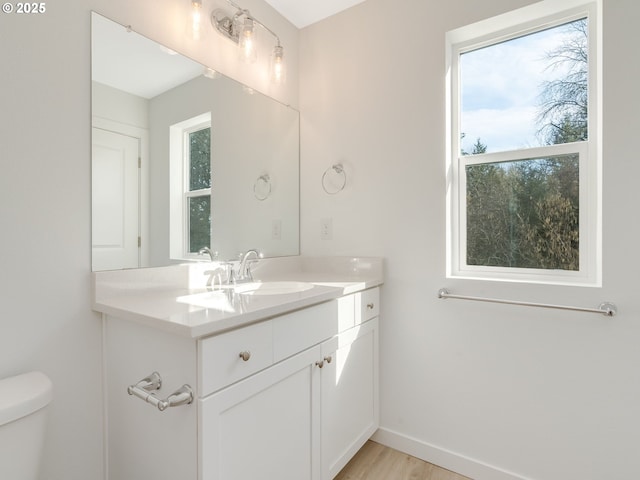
(115, 105)
(481, 388)
(548, 395)
(46, 322)
(251, 135)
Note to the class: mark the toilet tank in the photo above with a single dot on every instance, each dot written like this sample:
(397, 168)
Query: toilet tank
(23, 399)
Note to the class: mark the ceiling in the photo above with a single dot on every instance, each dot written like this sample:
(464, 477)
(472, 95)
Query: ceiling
(305, 12)
(130, 62)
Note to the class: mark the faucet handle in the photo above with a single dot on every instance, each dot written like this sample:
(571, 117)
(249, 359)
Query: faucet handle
(228, 267)
(248, 273)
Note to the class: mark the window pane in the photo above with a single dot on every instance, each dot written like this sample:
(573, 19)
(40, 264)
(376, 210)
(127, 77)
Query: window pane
(200, 159)
(524, 213)
(526, 92)
(199, 223)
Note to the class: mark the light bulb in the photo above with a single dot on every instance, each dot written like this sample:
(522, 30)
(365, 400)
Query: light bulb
(247, 41)
(277, 70)
(194, 27)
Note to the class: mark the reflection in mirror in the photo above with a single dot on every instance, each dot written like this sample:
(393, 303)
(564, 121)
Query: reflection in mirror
(180, 155)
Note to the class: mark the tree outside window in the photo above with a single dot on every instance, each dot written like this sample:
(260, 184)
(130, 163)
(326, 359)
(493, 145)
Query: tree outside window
(522, 120)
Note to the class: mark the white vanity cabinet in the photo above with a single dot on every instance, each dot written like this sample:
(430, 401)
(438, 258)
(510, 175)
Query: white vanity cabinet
(291, 397)
(265, 426)
(349, 391)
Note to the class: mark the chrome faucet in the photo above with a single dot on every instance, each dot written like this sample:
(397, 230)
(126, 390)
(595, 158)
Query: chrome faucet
(212, 255)
(244, 269)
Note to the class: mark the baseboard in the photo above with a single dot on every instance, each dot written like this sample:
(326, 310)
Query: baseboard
(350, 452)
(455, 462)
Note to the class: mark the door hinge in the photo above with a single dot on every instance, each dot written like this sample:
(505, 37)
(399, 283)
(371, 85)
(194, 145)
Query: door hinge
(139, 162)
(139, 242)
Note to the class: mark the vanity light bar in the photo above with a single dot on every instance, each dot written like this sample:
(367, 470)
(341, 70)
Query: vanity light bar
(239, 28)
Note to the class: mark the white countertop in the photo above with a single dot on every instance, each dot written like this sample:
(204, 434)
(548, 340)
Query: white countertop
(176, 299)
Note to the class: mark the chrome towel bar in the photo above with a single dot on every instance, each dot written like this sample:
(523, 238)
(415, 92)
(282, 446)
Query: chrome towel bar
(144, 390)
(607, 308)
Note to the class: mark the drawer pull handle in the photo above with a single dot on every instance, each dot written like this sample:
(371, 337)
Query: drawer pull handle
(320, 363)
(370, 306)
(328, 358)
(246, 355)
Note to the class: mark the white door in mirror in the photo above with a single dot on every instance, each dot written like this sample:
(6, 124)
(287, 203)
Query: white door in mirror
(115, 200)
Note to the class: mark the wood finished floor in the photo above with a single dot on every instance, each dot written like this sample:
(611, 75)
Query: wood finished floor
(377, 462)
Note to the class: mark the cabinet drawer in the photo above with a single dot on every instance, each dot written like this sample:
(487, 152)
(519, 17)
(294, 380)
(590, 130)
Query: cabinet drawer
(229, 357)
(300, 330)
(367, 305)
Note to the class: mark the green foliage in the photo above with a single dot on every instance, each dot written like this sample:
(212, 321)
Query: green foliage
(200, 159)
(478, 147)
(199, 222)
(524, 214)
(199, 179)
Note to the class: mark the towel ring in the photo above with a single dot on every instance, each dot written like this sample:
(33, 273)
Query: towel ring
(262, 187)
(334, 179)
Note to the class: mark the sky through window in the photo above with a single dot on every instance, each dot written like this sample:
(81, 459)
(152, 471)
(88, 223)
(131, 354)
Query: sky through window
(501, 86)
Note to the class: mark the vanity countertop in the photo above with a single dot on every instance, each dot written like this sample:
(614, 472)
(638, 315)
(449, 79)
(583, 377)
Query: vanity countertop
(176, 299)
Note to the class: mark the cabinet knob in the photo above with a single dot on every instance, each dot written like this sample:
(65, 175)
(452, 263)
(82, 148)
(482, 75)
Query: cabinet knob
(370, 306)
(320, 363)
(246, 355)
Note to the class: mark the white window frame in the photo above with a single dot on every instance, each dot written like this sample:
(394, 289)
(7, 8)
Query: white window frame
(539, 16)
(179, 193)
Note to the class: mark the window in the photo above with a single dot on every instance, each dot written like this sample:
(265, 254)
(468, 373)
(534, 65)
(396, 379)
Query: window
(524, 158)
(190, 212)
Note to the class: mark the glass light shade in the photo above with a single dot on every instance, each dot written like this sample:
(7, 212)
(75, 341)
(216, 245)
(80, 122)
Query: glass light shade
(194, 25)
(277, 67)
(247, 41)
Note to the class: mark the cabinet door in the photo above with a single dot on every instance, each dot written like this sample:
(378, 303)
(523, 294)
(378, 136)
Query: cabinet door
(349, 395)
(265, 426)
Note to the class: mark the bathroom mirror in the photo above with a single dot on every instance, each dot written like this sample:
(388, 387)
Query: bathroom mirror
(184, 158)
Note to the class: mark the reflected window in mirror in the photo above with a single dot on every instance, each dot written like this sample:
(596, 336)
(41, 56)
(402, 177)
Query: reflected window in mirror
(191, 186)
(144, 91)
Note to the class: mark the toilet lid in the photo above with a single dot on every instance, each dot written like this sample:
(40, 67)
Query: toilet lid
(23, 394)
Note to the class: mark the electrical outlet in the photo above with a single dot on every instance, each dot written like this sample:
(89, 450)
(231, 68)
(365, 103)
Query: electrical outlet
(326, 229)
(276, 230)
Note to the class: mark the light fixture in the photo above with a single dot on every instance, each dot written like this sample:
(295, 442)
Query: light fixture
(247, 41)
(194, 27)
(241, 29)
(277, 67)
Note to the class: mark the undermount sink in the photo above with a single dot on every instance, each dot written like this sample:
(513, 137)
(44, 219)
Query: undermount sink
(272, 288)
(219, 299)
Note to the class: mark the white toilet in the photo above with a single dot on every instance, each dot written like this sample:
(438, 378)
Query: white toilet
(23, 399)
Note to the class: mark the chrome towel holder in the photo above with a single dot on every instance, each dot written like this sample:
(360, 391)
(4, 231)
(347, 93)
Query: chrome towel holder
(334, 179)
(262, 187)
(606, 308)
(144, 390)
